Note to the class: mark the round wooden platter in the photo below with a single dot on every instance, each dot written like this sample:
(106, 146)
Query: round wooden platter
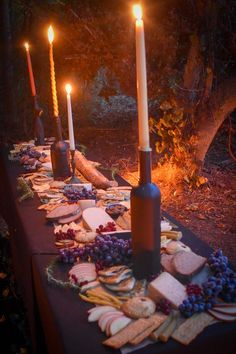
(63, 211)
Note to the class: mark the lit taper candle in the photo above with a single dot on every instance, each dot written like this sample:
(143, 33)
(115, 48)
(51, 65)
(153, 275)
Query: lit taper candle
(143, 128)
(70, 119)
(31, 74)
(52, 72)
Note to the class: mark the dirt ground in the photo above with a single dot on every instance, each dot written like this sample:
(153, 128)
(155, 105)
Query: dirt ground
(209, 211)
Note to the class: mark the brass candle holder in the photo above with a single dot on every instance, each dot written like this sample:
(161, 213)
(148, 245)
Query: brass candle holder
(73, 179)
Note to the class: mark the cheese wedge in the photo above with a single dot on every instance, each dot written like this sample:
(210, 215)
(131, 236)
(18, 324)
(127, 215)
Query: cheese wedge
(93, 217)
(167, 287)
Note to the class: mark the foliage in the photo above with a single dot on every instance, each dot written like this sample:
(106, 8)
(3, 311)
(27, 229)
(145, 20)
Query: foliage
(193, 66)
(173, 145)
(49, 271)
(190, 49)
(14, 326)
(25, 190)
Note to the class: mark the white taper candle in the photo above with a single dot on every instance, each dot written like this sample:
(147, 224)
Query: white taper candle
(70, 119)
(143, 127)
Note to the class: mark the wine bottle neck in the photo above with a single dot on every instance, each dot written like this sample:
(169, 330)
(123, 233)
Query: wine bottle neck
(145, 167)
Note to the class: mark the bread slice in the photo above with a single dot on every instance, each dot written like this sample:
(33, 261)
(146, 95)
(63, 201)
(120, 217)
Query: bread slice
(166, 262)
(188, 263)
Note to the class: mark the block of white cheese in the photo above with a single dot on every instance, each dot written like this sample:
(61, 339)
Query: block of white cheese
(165, 286)
(93, 217)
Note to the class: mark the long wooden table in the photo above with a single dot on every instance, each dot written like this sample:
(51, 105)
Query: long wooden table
(59, 312)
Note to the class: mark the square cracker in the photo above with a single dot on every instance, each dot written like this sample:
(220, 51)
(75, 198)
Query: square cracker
(128, 333)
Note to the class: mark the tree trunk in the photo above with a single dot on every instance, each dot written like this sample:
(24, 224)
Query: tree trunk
(221, 103)
(9, 100)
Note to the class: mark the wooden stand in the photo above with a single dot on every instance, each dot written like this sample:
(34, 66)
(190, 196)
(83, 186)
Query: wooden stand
(145, 222)
(60, 154)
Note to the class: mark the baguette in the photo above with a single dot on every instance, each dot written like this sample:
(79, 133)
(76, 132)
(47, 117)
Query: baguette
(87, 169)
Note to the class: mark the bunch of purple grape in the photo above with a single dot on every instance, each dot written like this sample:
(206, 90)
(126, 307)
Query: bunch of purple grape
(32, 153)
(212, 287)
(69, 255)
(75, 194)
(221, 285)
(105, 251)
(196, 304)
(225, 277)
(164, 306)
(68, 235)
(218, 263)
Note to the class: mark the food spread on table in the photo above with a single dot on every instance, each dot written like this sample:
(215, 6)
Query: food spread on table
(90, 230)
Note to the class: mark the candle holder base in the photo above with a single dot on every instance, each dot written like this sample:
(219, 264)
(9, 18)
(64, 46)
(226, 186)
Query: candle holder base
(38, 124)
(145, 222)
(60, 160)
(73, 179)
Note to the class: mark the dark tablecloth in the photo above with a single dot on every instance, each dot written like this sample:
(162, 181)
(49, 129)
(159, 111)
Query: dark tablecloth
(67, 330)
(29, 233)
(62, 314)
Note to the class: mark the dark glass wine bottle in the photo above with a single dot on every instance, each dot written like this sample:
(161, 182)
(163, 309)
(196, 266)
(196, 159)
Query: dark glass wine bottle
(145, 222)
(60, 154)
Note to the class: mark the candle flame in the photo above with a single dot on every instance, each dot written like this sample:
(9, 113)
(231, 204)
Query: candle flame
(137, 11)
(68, 88)
(50, 34)
(26, 46)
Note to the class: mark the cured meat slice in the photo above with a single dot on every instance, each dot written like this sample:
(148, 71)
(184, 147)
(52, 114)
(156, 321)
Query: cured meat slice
(63, 211)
